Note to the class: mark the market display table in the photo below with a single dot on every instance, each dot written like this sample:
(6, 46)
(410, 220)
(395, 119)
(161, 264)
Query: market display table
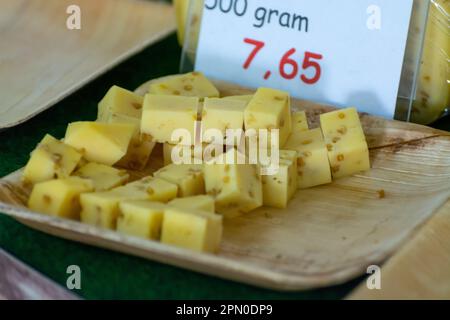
(106, 274)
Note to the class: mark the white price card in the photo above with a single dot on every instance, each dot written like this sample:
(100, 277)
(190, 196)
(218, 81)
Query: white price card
(340, 52)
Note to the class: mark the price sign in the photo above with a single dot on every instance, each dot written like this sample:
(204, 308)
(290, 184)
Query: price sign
(345, 53)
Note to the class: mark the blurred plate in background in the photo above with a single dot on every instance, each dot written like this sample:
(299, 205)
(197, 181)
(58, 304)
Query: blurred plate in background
(42, 60)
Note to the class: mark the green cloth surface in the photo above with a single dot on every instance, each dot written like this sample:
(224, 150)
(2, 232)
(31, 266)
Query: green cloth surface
(107, 274)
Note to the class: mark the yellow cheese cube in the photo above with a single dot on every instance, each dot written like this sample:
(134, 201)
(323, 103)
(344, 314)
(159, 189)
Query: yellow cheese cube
(270, 109)
(59, 197)
(153, 189)
(192, 229)
(237, 188)
(193, 84)
(244, 98)
(102, 208)
(141, 145)
(102, 176)
(278, 189)
(201, 202)
(120, 101)
(335, 120)
(141, 218)
(104, 143)
(312, 158)
(204, 152)
(51, 159)
(299, 121)
(344, 137)
(188, 178)
(348, 156)
(138, 153)
(288, 155)
(163, 115)
(222, 114)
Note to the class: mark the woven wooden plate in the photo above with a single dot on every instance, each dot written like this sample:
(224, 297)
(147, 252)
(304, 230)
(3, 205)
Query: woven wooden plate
(327, 235)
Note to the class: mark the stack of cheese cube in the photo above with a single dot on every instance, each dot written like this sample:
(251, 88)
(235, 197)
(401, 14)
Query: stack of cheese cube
(84, 176)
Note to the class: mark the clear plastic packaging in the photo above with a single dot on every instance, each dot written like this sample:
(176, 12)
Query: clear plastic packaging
(190, 34)
(424, 91)
(433, 89)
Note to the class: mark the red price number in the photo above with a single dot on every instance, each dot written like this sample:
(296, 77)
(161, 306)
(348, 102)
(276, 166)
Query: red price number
(288, 66)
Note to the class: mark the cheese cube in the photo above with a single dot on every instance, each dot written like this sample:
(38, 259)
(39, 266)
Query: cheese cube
(102, 176)
(138, 153)
(59, 197)
(299, 121)
(51, 159)
(278, 189)
(192, 229)
(237, 188)
(243, 98)
(348, 152)
(100, 142)
(257, 152)
(188, 178)
(204, 152)
(270, 109)
(120, 101)
(222, 114)
(163, 115)
(141, 145)
(335, 120)
(141, 218)
(288, 155)
(312, 158)
(102, 208)
(193, 84)
(149, 188)
(201, 202)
